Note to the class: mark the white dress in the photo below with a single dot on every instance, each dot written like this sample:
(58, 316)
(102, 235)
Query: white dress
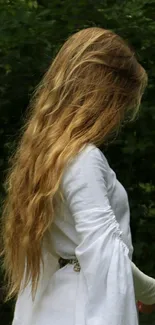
(93, 224)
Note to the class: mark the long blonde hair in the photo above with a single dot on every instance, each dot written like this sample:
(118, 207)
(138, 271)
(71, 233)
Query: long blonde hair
(92, 84)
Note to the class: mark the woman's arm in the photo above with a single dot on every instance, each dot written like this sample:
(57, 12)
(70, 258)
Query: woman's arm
(102, 254)
(144, 286)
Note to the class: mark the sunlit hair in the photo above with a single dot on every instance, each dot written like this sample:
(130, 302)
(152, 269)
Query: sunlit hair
(93, 84)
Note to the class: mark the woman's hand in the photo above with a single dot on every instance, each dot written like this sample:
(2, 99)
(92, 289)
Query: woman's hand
(145, 309)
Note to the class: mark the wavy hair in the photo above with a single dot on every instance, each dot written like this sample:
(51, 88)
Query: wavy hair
(93, 83)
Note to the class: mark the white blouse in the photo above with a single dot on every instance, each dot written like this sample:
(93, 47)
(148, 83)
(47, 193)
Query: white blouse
(94, 224)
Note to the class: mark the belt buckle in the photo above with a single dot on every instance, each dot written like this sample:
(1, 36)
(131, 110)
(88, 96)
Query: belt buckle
(77, 267)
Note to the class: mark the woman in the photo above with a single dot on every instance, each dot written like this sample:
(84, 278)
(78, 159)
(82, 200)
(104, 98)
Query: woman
(66, 233)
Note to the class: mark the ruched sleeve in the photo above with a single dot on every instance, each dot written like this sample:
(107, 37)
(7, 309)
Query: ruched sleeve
(101, 252)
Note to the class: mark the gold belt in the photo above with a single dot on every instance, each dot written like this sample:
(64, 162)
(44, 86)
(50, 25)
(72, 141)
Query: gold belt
(73, 261)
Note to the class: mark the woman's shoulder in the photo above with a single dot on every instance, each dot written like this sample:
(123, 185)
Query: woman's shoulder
(90, 157)
(92, 152)
(89, 164)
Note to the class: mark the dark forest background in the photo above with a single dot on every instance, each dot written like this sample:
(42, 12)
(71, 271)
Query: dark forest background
(31, 32)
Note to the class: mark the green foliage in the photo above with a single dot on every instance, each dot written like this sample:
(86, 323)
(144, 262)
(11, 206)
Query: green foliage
(31, 32)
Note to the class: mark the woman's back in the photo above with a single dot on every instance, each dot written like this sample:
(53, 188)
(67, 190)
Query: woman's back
(62, 293)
